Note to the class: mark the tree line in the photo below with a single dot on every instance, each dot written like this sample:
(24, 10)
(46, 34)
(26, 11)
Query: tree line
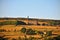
(52, 23)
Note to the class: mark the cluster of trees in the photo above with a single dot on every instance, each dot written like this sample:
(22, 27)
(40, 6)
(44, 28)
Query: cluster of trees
(7, 23)
(12, 23)
(53, 23)
(34, 32)
(42, 34)
(28, 31)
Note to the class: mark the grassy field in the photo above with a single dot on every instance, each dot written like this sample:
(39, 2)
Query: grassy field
(13, 31)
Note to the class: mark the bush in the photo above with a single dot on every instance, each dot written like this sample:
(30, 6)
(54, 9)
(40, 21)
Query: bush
(23, 30)
(49, 33)
(20, 23)
(54, 38)
(10, 22)
(1, 23)
(54, 23)
(30, 32)
(1, 38)
(31, 38)
(13, 39)
(57, 38)
(40, 32)
(13, 22)
(2, 30)
(19, 38)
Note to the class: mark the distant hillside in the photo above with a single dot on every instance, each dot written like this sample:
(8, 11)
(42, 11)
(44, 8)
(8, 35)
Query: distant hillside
(30, 21)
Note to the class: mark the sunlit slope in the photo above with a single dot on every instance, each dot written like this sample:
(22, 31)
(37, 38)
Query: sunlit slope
(13, 31)
(12, 28)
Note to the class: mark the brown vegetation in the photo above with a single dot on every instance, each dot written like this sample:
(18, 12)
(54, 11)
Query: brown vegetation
(29, 29)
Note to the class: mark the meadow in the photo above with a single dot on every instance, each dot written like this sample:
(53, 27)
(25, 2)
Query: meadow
(14, 32)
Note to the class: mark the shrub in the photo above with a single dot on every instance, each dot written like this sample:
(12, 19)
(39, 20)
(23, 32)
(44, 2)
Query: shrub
(2, 30)
(1, 23)
(25, 37)
(19, 38)
(10, 22)
(40, 32)
(13, 39)
(43, 24)
(49, 33)
(54, 23)
(31, 38)
(23, 30)
(57, 38)
(20, 23)
(13, 22)
(30, 32)
(2, 38)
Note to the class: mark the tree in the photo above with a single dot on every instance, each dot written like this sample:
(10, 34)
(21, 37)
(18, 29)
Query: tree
(23, 30)
(20, 23)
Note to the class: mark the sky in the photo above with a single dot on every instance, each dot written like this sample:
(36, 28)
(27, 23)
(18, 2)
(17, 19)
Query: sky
(43, 9)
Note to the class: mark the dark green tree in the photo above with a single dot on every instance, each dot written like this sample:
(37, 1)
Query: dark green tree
(20, 23)
(23, 30)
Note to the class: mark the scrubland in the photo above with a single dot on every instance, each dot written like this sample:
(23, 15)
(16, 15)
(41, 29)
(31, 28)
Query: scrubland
(13, 31)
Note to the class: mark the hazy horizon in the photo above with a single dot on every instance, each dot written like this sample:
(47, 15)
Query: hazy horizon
(42, 9)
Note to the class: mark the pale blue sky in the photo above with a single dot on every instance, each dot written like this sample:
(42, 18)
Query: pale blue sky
(32, 8)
